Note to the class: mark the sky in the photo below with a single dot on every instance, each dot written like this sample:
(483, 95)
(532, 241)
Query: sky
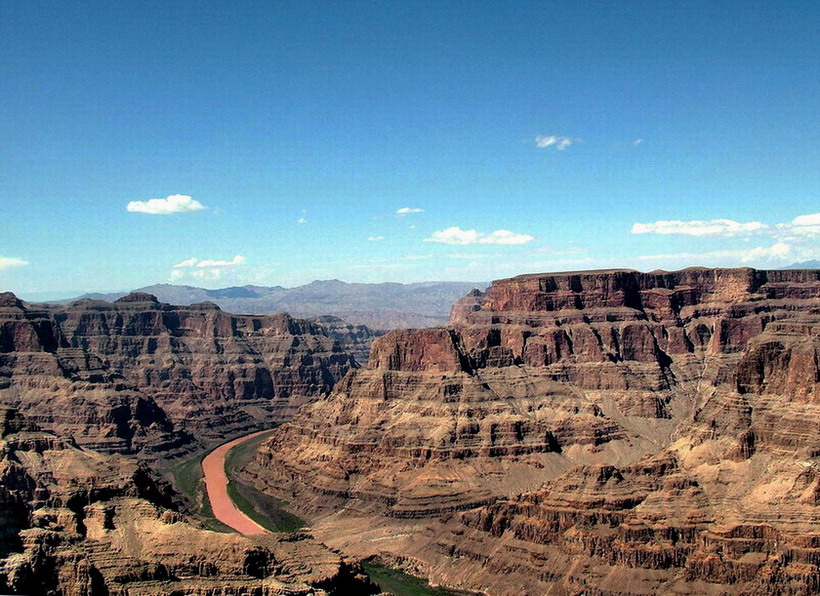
(273, 143)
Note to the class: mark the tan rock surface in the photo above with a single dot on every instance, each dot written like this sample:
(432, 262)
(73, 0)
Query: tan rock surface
(584, 433)
(78, 522)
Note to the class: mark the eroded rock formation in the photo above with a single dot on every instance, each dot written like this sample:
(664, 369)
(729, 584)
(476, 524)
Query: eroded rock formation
(603, 432)
(355, 339)
(77, 522)
(137, 375)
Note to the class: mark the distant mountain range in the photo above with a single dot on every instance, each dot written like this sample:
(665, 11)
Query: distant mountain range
(379, 306)
(813, 264)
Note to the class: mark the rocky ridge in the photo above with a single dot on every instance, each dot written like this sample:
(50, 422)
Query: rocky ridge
(140, 376)
(378, 305)
(77, 522)
(355, 339)
(594, 432)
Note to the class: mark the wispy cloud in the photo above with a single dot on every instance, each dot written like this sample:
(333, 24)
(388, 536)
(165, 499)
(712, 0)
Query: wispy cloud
(375, 238)
(695, 227)
(556, 141)
(802, 226)
(777, 253)
(166, 206)
(301, 220)
(456, 236)
(187, 263)
(408, 210)
(11, 263)
(237, 260)
(204, 269)
(637, 142)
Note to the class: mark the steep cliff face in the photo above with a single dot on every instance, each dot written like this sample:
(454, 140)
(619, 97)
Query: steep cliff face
(140, 376)
(605, 432)
(77, 522)
(353, 338)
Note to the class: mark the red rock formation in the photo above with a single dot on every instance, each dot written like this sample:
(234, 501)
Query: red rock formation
(137, 375)
(79, 522)
(594, 432)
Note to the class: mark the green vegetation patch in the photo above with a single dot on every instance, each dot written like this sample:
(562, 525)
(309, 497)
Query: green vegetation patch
(400, 583)
(264, 509)
(187, 479)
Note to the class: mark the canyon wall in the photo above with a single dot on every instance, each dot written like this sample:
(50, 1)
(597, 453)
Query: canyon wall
(77, 522)
(139, 376)
(602, 432)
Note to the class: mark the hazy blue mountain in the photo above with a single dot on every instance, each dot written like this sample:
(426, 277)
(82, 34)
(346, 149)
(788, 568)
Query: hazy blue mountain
(379, 306)
(813, 264)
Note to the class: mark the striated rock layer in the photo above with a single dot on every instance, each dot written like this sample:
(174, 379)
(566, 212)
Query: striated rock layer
(79, 523)
(604, 432)
(140, 376)
(355, 339)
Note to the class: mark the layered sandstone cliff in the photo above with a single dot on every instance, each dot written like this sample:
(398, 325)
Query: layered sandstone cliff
(77, 522)
(137, 375)
(593, 432)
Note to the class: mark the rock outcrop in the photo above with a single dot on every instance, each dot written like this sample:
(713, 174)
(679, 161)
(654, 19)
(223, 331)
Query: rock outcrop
(76, 522)
(604, 432)
(137, 375)
(355, 339)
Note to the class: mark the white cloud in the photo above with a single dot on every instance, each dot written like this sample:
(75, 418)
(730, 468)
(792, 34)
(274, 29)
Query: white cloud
(505, 237)
(695, 227)
(237, 260)
(204, 269)
(406, 210)
(557, 141)
(301, 220)
(187, 263)
(637, 142)
(804, 225)
(171, 204)
(11, 262)
(777, 253)
(375, 238)
(812, 219)
(208, 274)
(455, 235)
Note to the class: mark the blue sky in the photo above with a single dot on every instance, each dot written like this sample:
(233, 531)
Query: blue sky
(401, 141)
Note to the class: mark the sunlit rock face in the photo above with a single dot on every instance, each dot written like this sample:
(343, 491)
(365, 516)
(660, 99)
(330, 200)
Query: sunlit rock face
(592, 432)
(79, 522)
(139, 376)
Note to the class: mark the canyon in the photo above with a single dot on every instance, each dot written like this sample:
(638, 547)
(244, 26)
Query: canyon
(377, 305)
(138, 376)
(606, 432)
(78, 522)
(600, 432)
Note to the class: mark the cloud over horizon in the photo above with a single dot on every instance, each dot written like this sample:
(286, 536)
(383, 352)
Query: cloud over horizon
(802, 226)
(696, 227)
(12, 262)
(456, 236)
(170, 204)
(778, 254)
(206, 269)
